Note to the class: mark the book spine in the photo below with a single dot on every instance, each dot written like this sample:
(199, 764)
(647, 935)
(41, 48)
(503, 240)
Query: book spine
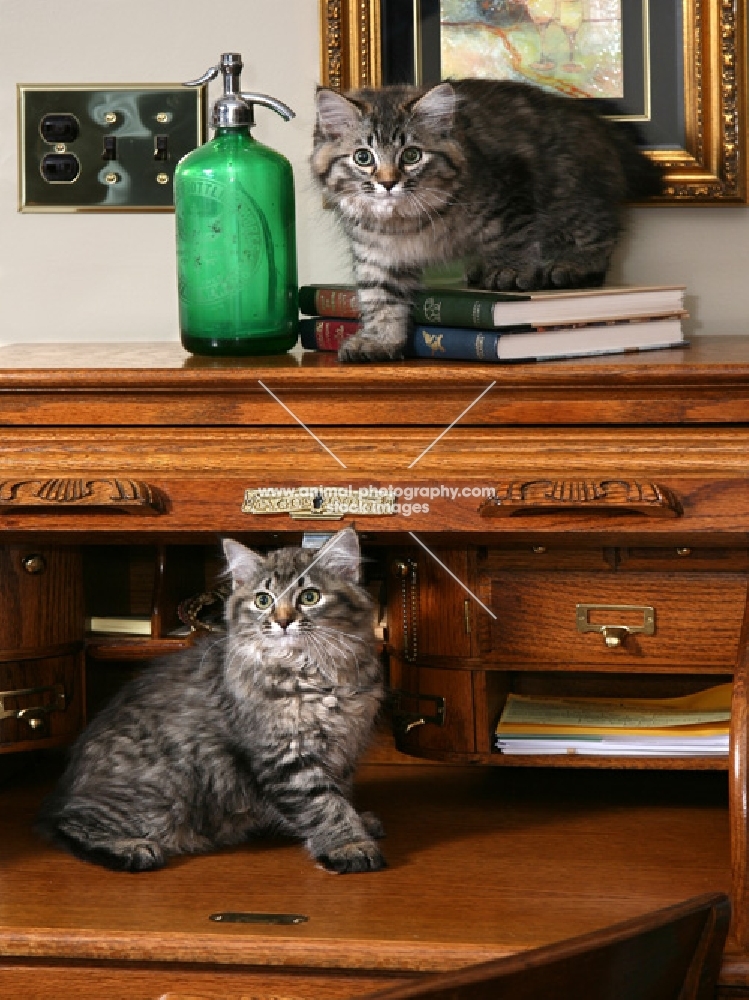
(322, 334)
(316, 300)
(455, 309)
(459, 345)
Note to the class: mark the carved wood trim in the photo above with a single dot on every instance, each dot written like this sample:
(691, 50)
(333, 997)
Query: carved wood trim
(614, 496)
(87, 495)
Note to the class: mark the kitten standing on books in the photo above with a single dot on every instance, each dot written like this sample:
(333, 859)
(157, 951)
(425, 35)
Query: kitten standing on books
(528, 182)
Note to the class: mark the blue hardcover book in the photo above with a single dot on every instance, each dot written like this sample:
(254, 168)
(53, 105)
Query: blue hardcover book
(463, 344)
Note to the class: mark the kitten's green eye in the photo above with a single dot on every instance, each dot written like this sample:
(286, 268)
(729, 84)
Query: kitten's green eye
(410, 156)
(309, 597)
(363, 157)
(263, 600)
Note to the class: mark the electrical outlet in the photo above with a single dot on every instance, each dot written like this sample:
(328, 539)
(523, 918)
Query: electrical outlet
(104, 147)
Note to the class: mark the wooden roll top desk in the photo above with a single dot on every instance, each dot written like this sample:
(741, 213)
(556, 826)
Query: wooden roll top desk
(525, 489)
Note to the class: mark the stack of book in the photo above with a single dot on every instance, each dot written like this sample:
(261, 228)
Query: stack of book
(473, 325)
(691, 726)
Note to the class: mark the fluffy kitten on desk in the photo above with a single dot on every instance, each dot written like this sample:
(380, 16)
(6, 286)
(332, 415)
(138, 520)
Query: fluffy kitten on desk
(525, 181)
(257, 731)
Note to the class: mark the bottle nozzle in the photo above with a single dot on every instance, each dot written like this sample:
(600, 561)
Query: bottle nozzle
(236, 108)
(269, 102)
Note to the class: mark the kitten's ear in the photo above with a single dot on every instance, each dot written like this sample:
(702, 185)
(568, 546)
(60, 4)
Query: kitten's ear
(437, 107)
(335, 113)
(341, 555)
(242, 563)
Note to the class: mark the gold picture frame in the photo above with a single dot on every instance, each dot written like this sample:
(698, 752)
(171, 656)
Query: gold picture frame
(708, 168)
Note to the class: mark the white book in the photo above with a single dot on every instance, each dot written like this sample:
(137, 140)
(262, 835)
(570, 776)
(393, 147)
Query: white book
(119, 624)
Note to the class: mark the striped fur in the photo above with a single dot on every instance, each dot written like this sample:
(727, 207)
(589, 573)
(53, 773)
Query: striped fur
(257, 731)
(524, 182)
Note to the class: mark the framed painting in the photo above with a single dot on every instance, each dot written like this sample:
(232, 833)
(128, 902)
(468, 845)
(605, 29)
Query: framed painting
(677, 68)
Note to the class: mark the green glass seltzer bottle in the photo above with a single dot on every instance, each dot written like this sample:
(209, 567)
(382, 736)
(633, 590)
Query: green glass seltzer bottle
(236, 237)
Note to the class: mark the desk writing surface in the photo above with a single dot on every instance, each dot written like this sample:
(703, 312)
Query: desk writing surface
(481, 864)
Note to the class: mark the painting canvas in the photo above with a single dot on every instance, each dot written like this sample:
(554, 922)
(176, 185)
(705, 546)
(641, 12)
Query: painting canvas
(573, 46)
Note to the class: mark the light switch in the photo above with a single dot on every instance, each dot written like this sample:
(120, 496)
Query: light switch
(104, 147)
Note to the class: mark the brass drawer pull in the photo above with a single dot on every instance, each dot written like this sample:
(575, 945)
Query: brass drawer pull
(615, 635)
(34, 716)
(406, 721)
(561, 496)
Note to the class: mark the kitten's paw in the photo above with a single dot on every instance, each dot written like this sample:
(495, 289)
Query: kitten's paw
(500, 279)
(129, 856)
(358, 856)
(121, 855)
(145, 856)
(372, 347)
(372, 825)
(569, 276)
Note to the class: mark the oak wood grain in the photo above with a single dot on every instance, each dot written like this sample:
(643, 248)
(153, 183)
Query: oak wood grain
(523, 855)
(482, 864)
(134, 384)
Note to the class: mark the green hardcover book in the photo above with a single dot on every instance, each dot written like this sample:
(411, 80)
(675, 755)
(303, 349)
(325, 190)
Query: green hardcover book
(482, 310)
(469, 307)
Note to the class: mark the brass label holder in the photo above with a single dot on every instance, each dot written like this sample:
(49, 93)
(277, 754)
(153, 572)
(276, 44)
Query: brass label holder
(615, 634)
(326, 503)
(33, 716)
(405, 721)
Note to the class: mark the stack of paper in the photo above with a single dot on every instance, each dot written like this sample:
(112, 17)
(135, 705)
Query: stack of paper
(693, 725)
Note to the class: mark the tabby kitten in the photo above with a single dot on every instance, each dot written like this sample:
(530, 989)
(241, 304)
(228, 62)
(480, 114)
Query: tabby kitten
(259, 730)
(527, 182)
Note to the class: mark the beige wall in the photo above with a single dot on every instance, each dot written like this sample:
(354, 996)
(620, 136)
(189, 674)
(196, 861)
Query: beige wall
(100, 277)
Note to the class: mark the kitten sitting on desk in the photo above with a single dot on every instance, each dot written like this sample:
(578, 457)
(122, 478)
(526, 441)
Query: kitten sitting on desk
(525, 181)
(259, 730)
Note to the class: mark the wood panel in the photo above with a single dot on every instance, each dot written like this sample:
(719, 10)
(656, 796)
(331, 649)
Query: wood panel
(43, 607)
(97, 981)
(456, 734)
(697, 619)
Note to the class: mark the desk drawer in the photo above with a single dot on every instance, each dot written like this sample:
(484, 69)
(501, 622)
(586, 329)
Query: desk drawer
(42, 702)
(695, 619)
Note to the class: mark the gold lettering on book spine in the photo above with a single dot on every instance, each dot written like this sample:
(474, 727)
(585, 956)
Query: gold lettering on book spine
(613, 496)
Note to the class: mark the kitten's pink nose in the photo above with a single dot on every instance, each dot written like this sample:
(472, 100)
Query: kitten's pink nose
(284, 616)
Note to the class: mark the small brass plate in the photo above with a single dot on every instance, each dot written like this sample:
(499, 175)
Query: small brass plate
(327, 503)
(259, 918)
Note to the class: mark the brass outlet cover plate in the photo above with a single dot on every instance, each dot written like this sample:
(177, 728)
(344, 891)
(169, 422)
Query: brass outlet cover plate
(134, 115)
